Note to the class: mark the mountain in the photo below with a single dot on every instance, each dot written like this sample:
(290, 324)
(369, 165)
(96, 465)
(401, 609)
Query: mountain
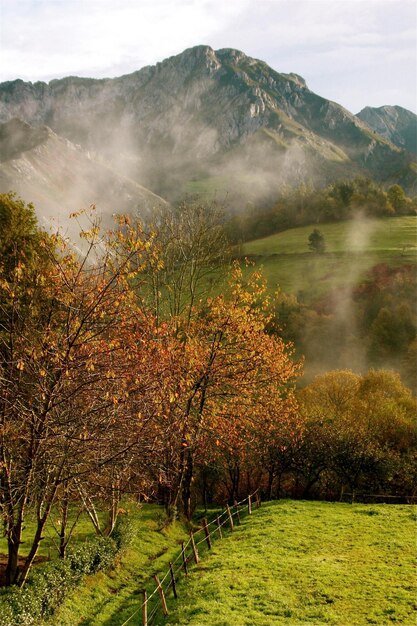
(394, 123)
(208, 119)
(60, 178)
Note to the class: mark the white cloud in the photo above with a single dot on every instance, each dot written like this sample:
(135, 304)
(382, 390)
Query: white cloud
(99, 36)
(329, 42)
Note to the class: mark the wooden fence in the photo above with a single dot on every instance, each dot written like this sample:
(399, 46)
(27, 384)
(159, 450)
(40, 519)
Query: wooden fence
(154, 605)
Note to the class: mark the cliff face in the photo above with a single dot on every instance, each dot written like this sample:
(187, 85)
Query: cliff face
(60, 177)
(204, 114)
(393, 122)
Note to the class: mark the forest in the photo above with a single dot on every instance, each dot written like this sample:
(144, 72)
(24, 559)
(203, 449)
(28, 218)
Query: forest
(124, 371)
(309, 204)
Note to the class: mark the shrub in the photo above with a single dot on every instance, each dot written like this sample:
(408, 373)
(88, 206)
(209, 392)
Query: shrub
(48, 584)
(93, 555)
(123, 532)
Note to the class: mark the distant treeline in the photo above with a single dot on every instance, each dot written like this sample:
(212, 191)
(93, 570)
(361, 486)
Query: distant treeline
(309, 205)
(373, 325)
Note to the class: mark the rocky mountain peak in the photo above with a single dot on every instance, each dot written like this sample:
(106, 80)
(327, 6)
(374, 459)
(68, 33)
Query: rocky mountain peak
(206, 114)
(393, 122)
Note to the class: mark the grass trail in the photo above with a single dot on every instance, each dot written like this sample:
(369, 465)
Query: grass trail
(109, 598)
(298, 563)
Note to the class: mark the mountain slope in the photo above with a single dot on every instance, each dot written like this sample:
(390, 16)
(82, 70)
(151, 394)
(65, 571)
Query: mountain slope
(59, 177)
(205, 113)
(393, 122)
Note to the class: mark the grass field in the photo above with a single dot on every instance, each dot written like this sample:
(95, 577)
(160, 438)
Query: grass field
(289, 563)
(316, 563)
(109, 598)
(352, 248)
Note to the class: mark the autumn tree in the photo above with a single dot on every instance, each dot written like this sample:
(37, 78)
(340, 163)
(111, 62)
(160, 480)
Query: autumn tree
(65, 326)
(361, 428)
(229, 371)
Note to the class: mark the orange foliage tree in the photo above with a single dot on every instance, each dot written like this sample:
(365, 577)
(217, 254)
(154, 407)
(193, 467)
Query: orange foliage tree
(65, 326)
(230, 374)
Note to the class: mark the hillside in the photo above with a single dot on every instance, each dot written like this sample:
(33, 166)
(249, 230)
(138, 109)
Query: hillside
(60, 177)
(352, 307)
(393, 122)
(204, 114)
(306, 563)
(352, 248)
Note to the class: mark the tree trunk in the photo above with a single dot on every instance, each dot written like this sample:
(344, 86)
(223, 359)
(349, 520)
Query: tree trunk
(186, 486)
(309, 485)
(63, 529)
(234, 474)
(271, 477)
(13, 543)
(38, 537)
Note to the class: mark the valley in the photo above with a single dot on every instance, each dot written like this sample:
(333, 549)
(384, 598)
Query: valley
(207, 289)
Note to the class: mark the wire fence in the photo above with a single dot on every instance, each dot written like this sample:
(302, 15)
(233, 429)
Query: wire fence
(377, 498)
(154, 605)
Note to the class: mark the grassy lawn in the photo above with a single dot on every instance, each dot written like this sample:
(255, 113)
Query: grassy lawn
(352, 248)
(307, 563)
(109, 598)
(289, 563)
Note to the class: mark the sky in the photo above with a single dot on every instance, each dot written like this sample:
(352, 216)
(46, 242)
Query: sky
(356, 52)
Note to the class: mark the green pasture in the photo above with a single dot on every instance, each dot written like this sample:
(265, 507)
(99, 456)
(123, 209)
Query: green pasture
(352, 248)
(289, 563)
(111, 597)
(298, 563)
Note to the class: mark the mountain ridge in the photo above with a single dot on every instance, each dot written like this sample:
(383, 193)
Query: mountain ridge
(397, 124)
(60, 178)
(205, 113)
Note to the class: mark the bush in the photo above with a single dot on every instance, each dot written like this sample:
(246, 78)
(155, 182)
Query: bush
(93, 555)
(48, 584)
(123, 532)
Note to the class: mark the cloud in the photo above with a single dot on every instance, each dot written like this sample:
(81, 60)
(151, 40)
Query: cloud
(102, 37)
(328, 42)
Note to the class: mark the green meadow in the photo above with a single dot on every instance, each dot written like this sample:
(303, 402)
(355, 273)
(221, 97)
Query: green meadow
(291, 562)
(352, 249)
(317, 563)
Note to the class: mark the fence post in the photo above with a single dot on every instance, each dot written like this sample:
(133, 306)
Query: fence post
(184, 559)
(194, 547)
(161, 595)
(145, 609)
(250, 505)
(237, 511)
(174, 586)
(206, 532)
(219, 527)
(230, 516)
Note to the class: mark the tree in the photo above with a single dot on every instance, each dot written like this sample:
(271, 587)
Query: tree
(398, 199)
(19, 234)
(229, 372)
(68, 330)
(316, 242)
(192, 246)
(360, 427)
